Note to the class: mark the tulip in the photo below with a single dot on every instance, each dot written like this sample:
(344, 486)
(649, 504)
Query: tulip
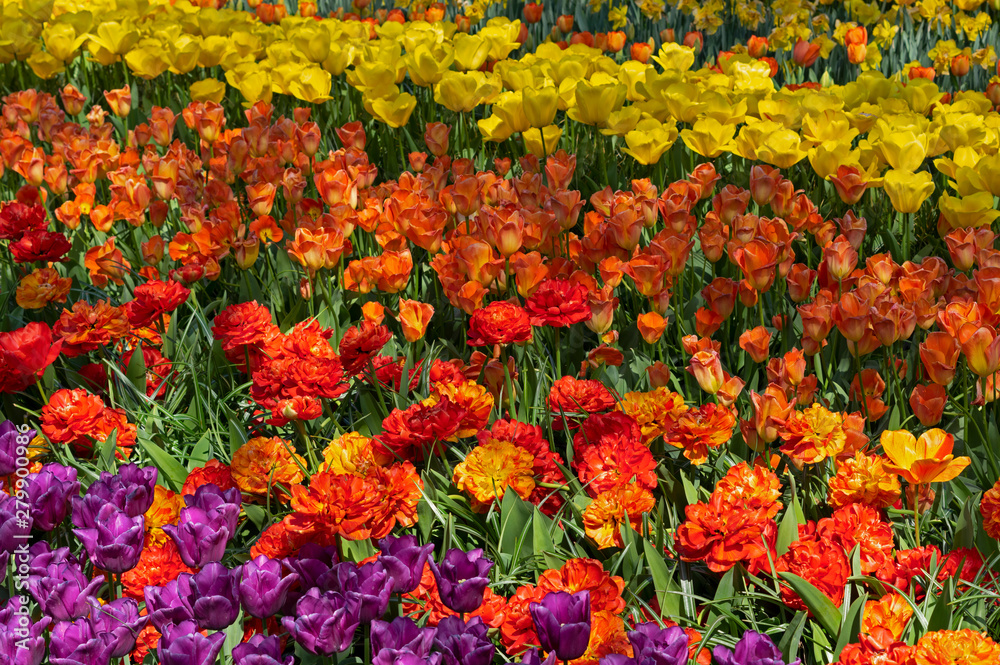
(401, 636)
(211, 595)
(533, 657)
(981, 347)
(77, 643)
(907, 191)
(404, 559)
(324, 623)
(131, 490)
(939, 355)
(260, 649)
(533, 12)
(183, 644)
(562, 621)
(262, 589)
(22, 641)
(540, 105)
(960, 65)
(206, 524)
(120, 101)
(756, 343)
(461, 643)
(369, 585)
(752, 649)
(462, 579)
(804, 54)
(706, 367)
(651, 326)
(116, 624)
(641, 51)
(10, 440)
(856, 41)
(164, 605)
(927, 402)
(652, 645)
(115, 542)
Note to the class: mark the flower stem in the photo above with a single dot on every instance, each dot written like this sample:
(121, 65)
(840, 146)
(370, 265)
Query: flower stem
(916, 513)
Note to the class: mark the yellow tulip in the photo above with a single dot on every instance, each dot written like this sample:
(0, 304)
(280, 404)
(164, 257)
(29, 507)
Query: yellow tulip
(471, 51)
(45, 65)
(989, 168)
(631, 74)
(681, 100)
(18, 38)
(208, 90)
(782, 110)
(828, 156)
(965, 129)
(213, 48)
(623, 121)
(493, 128)
(904, 150)
(111, 41)
(340, 58)
(394, 112)
(829, 125)
(427, 64)
(62, 41)
(928, 459)
(649, 141)
(906, 190)
(509, 107)
(753, 135)
(596, 102)
(371, 75)
(782, 148)
(542, 147)
(501, 33)
(253, 83)
(974, 210)
(312, 85)
(540, 105)
(147, 60)
(674, 57)
(709, 137)
(920, 95)
(313, 40)
(570, 68)
(516, 76)
(461, 92)
(183, 54)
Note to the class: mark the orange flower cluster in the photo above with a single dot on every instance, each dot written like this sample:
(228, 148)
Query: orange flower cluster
(863, 479)
(736, 524)
(267, 466)
(965, 646)
(166, 509)
(990, 510)
(81, 420)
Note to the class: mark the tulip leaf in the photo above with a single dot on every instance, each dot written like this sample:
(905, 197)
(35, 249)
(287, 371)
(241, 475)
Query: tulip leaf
(851, 624)
(136, 370)
(940, 617)
(234, 635)
(173, 472)
(667, 591)
(821, 607)
(965, 527)
(107, 451)
(788, 531)
(236, 438)
(515, 537)
(792, 639)
(542, 539)
(256, 514)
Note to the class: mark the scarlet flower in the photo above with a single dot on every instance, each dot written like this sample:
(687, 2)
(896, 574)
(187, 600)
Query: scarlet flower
(812, 435)
(334, 505)
(558, 303)
(939, 355)
(906, 565)
(150, 301)
(927, 402)
(821, 563)
(213, 472)
(158, 369)
(966, 646)
(751, 488)
(989, 508)
(613, 461)
(158, 564)
(603, 518)
(86, 328)
(18, 219)
(756, 342)
(586, 575)
(654, 411)
(40, 245)
(863, 479)
(242, 324)
(25, 354)
(884, 621)
(279, 541)
(721, 534)
(697, 430)
(571, 395)
(490, 469)
(410, 434)
(360, 343)
(858, 524)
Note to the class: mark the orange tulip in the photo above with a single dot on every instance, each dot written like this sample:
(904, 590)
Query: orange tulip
(755, 342)
(706, 367)
(414, 317)
(981, 346)
(928, 459)
(928, 402)
(939, 355)
(651, 326)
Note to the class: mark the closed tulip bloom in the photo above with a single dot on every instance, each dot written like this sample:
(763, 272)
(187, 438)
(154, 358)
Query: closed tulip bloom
(76, 643)
(414, 316)
(206, 524)
(211, 595)
(22, 642)
(461, 643)
(14, 528)
(117, 624)
(324, 623)
(49, 493)
(401, 635)
(115, 543)
(369, 585)
(183, 644)
(840, 257)
(131, 489)
(462, 579)
(652, 645)
(706, 367)
(907, 191)
(850, 183)
(261, 650)
(540, 105)
(404, 559)
(164, 605)
(939, 355)
(60, 587)
(562, 621)
(262, 588)
(756, 343)
(928, 402)
(928, 459)
(981, 346)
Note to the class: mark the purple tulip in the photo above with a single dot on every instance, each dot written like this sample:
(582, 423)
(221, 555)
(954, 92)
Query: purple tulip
(49, 492)
(533, 657)
(182, 644)
(405, 658)
(211, 595)
(653, 645)
(562, 621)
(461, 643)
(115, 542)
(752, 649)
(401, 635)
(21, 641)
(58, 584)
(461, 579)
(131, 490)
(15, 523)
(9, 444)
(311, 563)
(325, 623)
(368, 584)
(206, 525)
(117, 624)
(262, 588)
(163, 603)
(260, 650)
(76, 643)
(404, 558)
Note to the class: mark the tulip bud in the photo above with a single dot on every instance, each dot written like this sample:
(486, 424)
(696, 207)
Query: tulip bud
(641, 51)
(695, 40)
(436, 138)
(659, 375)
(565, 24)
(73, 100)
(119, 101)
(757, 47)
(706, 367)
(960, 65)
(533, 12)
(152, 250)
(667, 36)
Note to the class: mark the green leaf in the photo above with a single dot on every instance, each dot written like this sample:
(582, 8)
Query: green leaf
(236, 438)
(851, 624)
(788, 531)
(667, 591)
(173, 471)
(821, 607)
(256, 514)
(201, 453)
(724, 593)
(107, 451)
(940, 618)
(792, 639)
(515, 537)
(542, 539)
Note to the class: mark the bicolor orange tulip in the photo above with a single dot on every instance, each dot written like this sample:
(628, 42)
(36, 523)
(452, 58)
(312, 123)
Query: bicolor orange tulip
(923, 460)
(414, 317)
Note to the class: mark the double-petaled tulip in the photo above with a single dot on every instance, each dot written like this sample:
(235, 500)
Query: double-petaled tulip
(183, 644)
(262, 588)
(461, 643)
(562, 621)
(404, 558)
(324, 623)
(115, 541)
(462, 579)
